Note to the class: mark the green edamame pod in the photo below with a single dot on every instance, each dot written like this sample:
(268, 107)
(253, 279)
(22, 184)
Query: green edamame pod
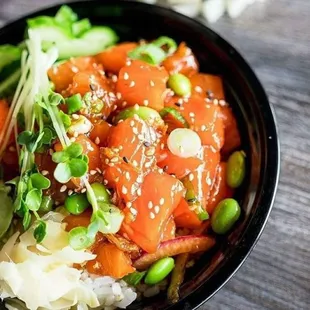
(159, 270)
(225, 215)
(235, 172)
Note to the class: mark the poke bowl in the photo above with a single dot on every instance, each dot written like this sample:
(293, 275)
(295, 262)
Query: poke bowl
(139, 159)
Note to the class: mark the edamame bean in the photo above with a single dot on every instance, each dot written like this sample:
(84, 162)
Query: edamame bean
(225, 216)
(159, 270)
(235, 172)
(180, 84)
(76, 204)
(46, 204)
(100, 191)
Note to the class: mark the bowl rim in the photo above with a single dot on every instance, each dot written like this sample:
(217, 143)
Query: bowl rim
(203, 293)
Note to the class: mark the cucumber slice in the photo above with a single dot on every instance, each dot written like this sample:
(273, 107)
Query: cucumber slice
(173, 118)
(143, 112)
(90, 43)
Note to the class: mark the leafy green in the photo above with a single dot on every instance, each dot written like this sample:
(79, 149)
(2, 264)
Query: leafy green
(71, 163)
(8, 54)
(40, 231)
(39, 181)
(33, 199)
(6, 210)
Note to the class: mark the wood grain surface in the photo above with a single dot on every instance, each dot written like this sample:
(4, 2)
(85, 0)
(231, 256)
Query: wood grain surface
(274, 36)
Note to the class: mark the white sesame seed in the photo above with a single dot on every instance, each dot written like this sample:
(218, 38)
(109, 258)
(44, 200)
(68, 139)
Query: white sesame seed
(132, 123)
(93, 172)
(146, 102)
(133, 211)
(105, 182)
(114, 78)
(114, 160)
(132, 84)
(97, 140)
(44, 172)
(152, 83)
(63, 188)
(70, 192)
(90, 148)
(111, 95)
(118, 96)
(198, 89)
(191, 114)
(135, 130)
(152, 215)
(139, 179)
(191, 177)
(128, 62)
(136, 107)
(75, 116)
(162, 146)
(129, 204)
(160, 170)
(116, 179)
(126, 76)
(208, 106)
(162, 201)
(99, 170)
(192, 120)
(124, 190)
(106, 161)
(136, 117)
(57, 203)
(156, 209)
(222, 102)
(148, 164)
(203, 128)
(139, 192)
(216, 102)
(76, 134)
(150, 205)
(83, 190)
(208, 180)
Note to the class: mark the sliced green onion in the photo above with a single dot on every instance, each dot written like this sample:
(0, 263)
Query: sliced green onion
(166, 41)
(134, 278)
(79, 239)
(149, 53)
(74, 103)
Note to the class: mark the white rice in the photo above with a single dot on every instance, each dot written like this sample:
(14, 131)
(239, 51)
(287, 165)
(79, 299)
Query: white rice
(111, 293)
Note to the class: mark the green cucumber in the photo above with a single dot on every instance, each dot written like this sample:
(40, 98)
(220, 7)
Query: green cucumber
(144, 113)
(91, 42)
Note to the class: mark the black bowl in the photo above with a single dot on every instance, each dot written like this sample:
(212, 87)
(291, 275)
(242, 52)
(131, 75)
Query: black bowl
(255, 116)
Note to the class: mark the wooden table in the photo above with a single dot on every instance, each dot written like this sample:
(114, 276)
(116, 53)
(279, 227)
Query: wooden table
(274, 37)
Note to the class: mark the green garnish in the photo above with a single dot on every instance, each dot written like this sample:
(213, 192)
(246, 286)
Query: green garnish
(74, 103)
(71, 163)
(134, 278)
(78, 238)
(40, 231)
(155, 52)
